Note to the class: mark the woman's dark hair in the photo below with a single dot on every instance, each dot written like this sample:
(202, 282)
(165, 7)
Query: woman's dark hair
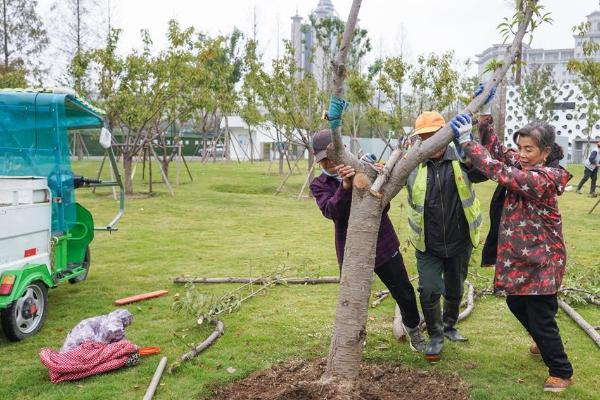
(556, 154)
(541, 132)
(544, 136)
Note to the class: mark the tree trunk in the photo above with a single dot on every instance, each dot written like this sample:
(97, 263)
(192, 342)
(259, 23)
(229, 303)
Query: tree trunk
(519, 59)
(280, 152)
(349, 330)
(165, 164)
(500, 117)
(365, 215)
(251, 145)
(5, 28)
(226, 150)
(127, 167)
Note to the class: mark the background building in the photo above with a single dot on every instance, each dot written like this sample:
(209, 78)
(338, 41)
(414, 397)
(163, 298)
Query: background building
(569, 122)
(556, 58)
(310, 58)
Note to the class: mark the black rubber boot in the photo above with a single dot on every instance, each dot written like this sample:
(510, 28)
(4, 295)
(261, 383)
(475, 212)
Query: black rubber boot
(433, 318)
(450, 317)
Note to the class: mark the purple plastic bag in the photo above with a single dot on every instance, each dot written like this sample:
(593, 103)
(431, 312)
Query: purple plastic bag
(105, 329)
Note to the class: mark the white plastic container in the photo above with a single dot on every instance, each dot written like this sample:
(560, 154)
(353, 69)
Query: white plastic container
(25, 222)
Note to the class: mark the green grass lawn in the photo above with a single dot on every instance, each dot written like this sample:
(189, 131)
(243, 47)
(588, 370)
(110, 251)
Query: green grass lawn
(228, 223)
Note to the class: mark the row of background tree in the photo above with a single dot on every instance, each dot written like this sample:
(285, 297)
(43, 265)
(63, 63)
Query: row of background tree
(198, 79)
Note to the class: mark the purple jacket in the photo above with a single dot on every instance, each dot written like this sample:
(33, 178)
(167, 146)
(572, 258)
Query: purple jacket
(334, 202)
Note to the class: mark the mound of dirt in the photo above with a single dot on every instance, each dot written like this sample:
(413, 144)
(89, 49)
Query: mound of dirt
(298, 380)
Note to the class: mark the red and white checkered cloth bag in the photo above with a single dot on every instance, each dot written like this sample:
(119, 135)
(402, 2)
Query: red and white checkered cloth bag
(87, 359)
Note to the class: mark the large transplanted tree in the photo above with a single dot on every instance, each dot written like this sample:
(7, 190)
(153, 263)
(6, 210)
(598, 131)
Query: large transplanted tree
(369, 197)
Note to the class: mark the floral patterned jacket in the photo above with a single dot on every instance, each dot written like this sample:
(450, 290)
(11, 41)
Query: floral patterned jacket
(531, 250)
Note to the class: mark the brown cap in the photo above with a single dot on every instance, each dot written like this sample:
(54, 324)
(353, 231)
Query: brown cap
(427, 122)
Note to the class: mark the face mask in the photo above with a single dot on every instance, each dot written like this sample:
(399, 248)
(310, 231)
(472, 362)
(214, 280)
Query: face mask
(336, 176)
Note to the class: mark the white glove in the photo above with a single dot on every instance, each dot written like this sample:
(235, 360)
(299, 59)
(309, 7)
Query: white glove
(462, 127)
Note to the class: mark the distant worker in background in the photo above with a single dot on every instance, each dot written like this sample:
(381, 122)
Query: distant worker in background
(591, 165)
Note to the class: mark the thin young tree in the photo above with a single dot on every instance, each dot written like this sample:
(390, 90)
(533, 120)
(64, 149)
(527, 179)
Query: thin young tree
(134, 91)
(79, 29)
(537, 93)
(434, 81)
(249, 107)
(587, 72)
(23, 39)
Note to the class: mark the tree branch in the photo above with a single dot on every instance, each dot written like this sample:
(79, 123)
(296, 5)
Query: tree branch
(336, 150)
(287, 281)
(218, 331)
(423, 150)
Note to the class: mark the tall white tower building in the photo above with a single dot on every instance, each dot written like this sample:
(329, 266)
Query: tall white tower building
(309, 57)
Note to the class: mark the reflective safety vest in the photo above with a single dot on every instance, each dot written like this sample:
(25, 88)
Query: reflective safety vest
(417, 188)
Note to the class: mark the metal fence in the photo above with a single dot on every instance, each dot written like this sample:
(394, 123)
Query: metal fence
(576, 156)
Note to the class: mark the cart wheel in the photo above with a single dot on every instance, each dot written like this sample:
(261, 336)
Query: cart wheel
(26, 315)
(86, 265)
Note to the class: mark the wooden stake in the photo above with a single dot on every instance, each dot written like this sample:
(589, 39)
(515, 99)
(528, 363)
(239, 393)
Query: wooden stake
(162, 171)
(140, 297)
(583, 324)
(312, 168)
(288, 281)
(155, 379)
(595, 205)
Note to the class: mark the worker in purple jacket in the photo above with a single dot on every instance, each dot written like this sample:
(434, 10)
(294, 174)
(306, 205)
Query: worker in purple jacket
(333, 192)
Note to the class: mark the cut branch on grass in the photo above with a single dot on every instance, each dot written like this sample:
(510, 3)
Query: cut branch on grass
(286, 281)
(206, 308)
(583, 324)
(592, 300)
(575, 295)
(380, 297)
(384, 294)
(217, 332)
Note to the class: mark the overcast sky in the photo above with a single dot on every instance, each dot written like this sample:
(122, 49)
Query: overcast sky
(418, 26)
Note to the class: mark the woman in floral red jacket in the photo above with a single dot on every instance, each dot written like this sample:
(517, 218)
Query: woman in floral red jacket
(531, 257)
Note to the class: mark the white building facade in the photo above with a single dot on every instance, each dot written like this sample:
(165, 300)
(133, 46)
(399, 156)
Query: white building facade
(569, 118)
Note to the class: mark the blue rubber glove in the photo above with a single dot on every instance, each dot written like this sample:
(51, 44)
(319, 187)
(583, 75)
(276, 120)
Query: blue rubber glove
(336, 108)
(462, 127)
(480, 90)
(369, 158)
(487, 106)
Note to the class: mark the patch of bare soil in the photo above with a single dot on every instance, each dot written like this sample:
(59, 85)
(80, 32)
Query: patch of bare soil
(298, 380)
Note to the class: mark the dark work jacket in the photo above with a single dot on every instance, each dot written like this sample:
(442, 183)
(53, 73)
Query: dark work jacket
(334, 202)
(446, 227)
